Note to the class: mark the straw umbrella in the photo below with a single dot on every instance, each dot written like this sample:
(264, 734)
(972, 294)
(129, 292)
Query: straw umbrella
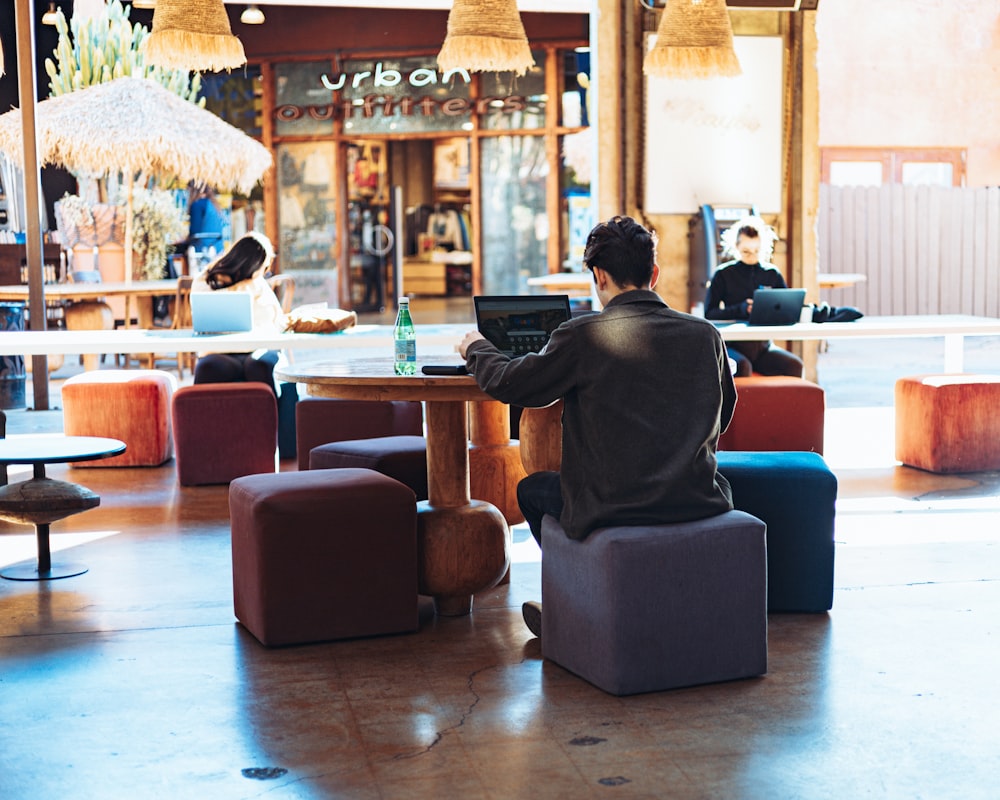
(137, 127)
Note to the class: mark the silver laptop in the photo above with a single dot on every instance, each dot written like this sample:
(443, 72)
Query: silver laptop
(520, 324)
(777, 306)
(221, 312)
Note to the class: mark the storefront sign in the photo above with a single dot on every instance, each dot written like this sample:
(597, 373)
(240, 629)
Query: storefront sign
(407, 105)
(388, 105)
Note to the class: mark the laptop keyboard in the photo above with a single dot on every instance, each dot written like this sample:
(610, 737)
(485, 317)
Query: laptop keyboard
(522, 343)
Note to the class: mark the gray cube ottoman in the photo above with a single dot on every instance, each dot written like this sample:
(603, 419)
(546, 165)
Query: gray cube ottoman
(648, 608)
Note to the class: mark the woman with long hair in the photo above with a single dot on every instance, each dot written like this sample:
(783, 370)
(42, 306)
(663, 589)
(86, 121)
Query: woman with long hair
(242, 268)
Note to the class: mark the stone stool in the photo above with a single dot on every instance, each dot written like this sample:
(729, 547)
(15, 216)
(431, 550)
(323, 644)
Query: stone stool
(795, 494)
(131, 405)
(403, 458)
(776, 412)
(323, 554)
(319, 420)
(948, 423)
(223, 431)
(654, 607)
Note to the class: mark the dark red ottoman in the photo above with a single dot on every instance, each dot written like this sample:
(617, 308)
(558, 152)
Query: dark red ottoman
(224, 431)
(323, 554)
(401, 457)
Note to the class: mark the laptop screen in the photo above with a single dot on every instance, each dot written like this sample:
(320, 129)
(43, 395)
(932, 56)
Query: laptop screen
(519, 324)
(777, 306)
(221, 312)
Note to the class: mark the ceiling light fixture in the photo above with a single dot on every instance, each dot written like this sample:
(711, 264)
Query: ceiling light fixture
(252, 15)
(694, 40)
(144, 3)
(485, 36)
(50, 16)
(193, 35)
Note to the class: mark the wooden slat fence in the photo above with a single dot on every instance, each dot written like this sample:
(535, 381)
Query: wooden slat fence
(924, 249)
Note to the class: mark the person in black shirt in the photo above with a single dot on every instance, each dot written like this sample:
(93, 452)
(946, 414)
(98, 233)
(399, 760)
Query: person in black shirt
(750, 242)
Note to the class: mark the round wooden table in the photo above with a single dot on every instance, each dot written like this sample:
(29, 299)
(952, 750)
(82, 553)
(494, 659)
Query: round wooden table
(463, 544)
(40, 501)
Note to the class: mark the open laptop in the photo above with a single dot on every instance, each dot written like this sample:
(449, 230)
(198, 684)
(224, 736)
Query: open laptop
(777, 306)
(520, 324)
(221, 312)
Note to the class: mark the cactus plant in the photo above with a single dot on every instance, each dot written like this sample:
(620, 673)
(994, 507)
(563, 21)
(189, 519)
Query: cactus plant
(99, 49)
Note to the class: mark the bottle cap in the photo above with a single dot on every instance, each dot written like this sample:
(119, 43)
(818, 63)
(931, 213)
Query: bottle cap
(403, 300)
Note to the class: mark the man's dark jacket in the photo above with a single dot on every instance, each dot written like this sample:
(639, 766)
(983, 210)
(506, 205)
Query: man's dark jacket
(647, 392)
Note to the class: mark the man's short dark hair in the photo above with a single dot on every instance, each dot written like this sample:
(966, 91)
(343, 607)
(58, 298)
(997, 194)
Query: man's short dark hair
(624, 249)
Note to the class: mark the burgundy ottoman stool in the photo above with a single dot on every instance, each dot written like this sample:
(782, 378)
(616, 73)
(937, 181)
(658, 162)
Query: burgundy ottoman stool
(401, 457)
(319, 420)
(323, 554)
(948, 423)
(223, 431)
(132, 405)
(776, 412)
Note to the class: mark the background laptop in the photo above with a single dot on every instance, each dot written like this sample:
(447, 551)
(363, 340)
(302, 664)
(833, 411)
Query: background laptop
(777, 306)
(221, 312)
(519, 324)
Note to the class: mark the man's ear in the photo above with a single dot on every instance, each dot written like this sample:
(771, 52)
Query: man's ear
(655, 276)
(600, 278)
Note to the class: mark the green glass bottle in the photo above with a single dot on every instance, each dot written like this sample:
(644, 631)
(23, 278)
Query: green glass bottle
(405, 340)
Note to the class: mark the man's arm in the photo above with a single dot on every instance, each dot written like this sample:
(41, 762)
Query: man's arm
(534, 380)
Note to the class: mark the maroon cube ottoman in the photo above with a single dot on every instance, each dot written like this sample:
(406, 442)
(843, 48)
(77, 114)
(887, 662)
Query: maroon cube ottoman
(323, 554)
(224, 431)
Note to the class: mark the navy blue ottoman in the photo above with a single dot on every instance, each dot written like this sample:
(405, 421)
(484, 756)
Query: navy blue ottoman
(795, 494)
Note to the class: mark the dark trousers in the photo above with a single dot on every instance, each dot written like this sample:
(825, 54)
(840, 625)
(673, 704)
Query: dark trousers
(236, 368)
(537, 495)
(763, 358)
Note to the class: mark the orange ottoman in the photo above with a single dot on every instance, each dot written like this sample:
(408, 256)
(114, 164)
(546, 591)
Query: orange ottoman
(774, 412)
(128, 404)
(224, 431)
(948, 423)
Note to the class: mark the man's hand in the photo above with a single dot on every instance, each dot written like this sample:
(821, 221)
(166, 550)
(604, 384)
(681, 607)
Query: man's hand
(470, 337)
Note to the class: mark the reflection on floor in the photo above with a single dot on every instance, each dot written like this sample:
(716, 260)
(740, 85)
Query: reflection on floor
(133, 680)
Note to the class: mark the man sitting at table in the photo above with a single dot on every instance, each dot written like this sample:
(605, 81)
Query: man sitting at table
(647, 391)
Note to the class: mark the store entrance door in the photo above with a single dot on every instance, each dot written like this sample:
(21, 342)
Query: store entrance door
(370, 225)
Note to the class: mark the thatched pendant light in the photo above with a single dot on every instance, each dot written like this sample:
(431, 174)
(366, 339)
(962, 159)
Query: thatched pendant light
(193, 35)
(485, 36)
(694, 40)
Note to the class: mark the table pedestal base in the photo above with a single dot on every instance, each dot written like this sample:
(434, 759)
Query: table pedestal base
(28, 571)
(40, 501)
(460, 551)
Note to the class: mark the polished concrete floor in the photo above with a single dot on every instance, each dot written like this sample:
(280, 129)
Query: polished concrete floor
(134, 679)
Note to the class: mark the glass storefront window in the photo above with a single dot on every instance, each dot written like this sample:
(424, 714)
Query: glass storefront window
(575, 88)
(307, 218)
(235, 97)
(577, 213)
(514, 220)
(499, 90)
(303, 105)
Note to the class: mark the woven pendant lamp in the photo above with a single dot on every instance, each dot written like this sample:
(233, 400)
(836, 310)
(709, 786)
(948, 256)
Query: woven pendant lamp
(193, 35)
(485, 36)
(694, 40)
